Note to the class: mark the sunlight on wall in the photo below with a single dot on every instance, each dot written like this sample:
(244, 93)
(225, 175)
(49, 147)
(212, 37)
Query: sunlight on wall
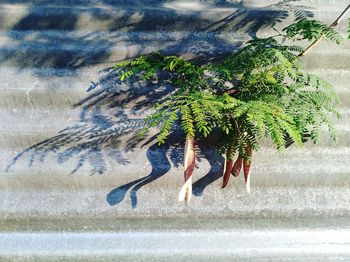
(187, 5)
(11, 14)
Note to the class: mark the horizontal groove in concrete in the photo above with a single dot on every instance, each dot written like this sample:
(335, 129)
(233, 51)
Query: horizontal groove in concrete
(16, 138)
(167, 223)
(165, 7)
(318, 166)
(42, 100)
(169, 5)
(115, 43)
(232, 202)
(222, 244)
(119, 18)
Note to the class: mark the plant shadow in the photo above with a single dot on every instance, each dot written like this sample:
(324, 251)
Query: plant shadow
(113, 111)
(161, 158)
(51, 46)
(157, 157)
(110, 114)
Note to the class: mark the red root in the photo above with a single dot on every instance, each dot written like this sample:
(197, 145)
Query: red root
(237, 166)
(228, 168)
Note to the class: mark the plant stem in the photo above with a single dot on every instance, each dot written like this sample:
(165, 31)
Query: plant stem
(189, 163)
(228, 165)
(334, 24)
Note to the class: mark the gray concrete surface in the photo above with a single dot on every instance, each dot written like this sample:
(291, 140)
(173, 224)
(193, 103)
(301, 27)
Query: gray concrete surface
(69, 159)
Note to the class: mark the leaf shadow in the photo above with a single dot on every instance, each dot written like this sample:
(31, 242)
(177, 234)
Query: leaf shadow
(51, 46)
(112, 111)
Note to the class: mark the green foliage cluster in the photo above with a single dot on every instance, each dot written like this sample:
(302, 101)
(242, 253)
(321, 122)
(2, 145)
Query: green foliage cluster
(312, 30)
(262, 90)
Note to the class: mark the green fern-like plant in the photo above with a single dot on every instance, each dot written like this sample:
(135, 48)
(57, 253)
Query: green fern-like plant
(312, 30)
(260, 91)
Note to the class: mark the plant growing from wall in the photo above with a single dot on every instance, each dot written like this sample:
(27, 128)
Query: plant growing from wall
(260, 91)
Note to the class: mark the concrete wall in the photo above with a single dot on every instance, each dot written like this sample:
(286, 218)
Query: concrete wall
(67, 154)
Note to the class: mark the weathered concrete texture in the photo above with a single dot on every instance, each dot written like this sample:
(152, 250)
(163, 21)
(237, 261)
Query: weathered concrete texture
(212, 245)
(67, 154)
